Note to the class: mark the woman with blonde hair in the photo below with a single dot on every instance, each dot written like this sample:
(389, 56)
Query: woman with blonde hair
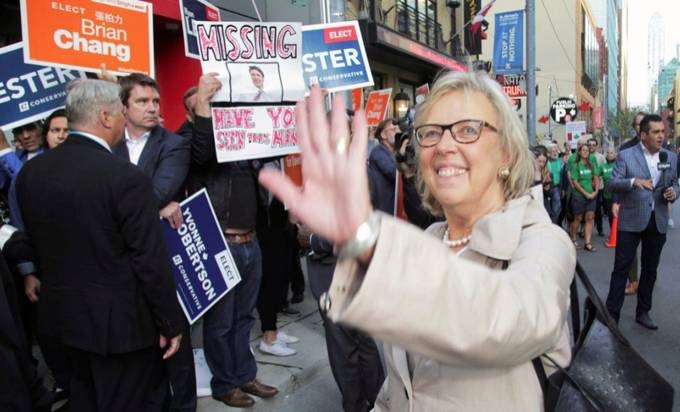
(464, 307)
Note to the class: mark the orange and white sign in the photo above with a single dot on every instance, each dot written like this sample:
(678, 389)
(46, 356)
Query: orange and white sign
(357, 99)
(292, 167)
(377, 104)
(83, 34)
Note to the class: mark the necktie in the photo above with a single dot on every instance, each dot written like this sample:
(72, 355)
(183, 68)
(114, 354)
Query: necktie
(258, 95)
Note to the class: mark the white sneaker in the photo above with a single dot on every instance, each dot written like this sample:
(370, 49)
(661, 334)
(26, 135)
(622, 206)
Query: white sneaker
(277, 348)
(286, 338)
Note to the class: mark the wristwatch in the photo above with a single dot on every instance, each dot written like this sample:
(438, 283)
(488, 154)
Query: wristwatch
(365, 237)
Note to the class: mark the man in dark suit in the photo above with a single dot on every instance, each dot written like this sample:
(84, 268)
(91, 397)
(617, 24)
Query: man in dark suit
(161, 154)
(164, 157)
(382, 167)
(107, 290)
(645, 186)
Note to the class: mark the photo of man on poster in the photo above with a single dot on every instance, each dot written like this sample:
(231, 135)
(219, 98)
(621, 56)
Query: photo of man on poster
(258, 82)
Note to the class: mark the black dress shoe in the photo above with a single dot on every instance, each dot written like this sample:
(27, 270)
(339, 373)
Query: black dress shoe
(643, 319)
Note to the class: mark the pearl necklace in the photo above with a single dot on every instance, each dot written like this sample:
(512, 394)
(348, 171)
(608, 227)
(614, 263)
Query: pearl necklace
(455, 242)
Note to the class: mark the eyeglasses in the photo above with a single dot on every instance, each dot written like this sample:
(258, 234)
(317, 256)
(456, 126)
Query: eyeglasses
(464, 131)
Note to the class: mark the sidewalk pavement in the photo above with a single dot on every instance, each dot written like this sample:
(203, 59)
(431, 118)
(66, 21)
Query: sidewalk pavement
(285, 373)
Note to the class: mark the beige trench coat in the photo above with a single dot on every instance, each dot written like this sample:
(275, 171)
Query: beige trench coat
(459, 331)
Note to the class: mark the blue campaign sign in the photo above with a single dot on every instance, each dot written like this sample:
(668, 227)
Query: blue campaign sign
(202, 264)
(508, 48)
(333, 56)
(195, 10)
(29, 92)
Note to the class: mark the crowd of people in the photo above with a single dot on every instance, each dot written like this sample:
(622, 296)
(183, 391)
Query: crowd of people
(450, 317)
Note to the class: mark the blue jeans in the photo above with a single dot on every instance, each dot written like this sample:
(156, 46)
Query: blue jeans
(555, 204)
(227, 325)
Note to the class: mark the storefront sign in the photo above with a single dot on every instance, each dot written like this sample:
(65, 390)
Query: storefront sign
(377, 104)
(203, 267)
(256, 62)
(563, 110)
(598, 117)
(333, 56)
(29, 92)
(401, 43)
(508, 49)
(254, 132)
(195, 10)
(84, 34)
(514, 85)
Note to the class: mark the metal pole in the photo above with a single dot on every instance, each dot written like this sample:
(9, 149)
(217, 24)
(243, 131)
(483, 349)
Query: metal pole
(605, 115)
(531, 70)
(549, 119)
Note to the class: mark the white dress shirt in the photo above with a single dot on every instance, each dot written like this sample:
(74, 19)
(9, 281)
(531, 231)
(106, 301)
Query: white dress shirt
(135, 146)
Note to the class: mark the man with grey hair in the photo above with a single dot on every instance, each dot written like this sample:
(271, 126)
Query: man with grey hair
(107, 289)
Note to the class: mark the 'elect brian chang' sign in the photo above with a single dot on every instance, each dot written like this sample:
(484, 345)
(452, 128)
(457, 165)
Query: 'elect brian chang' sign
(29, 92)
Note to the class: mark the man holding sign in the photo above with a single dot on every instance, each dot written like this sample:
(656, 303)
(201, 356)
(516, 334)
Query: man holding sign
(233, 189)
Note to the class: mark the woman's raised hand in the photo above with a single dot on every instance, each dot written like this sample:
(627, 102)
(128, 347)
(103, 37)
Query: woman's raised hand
(334, 199)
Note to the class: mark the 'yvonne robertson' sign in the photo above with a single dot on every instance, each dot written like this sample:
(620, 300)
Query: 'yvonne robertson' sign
(563, 110)
(202, 264)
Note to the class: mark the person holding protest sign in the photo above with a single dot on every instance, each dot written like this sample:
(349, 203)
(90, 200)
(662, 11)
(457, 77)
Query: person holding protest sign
(107, 291)
(234, 193)
(477, 272)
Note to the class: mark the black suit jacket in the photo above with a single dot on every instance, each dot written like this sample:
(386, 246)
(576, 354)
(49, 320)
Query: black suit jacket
(165, 159)
(107, 286)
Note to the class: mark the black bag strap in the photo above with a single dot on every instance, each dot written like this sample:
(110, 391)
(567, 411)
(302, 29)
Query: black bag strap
(602, 312)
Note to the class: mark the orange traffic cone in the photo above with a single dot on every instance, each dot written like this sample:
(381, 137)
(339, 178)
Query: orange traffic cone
(611, 243)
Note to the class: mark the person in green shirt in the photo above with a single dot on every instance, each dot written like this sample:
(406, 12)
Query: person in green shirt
(584, 178)
(555, 166)
(607, 168)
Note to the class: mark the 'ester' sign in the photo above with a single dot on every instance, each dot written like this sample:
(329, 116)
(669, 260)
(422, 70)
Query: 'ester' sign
(333, 56)
(29, 92)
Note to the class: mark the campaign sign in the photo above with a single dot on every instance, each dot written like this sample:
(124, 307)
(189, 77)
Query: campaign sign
(377, 104)
(29, 92)
(84, 34)
(254, 132)
(508, 48)
(195, 10)
(333, 56)
(574, 132)
(252, 60)
(203, 267)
